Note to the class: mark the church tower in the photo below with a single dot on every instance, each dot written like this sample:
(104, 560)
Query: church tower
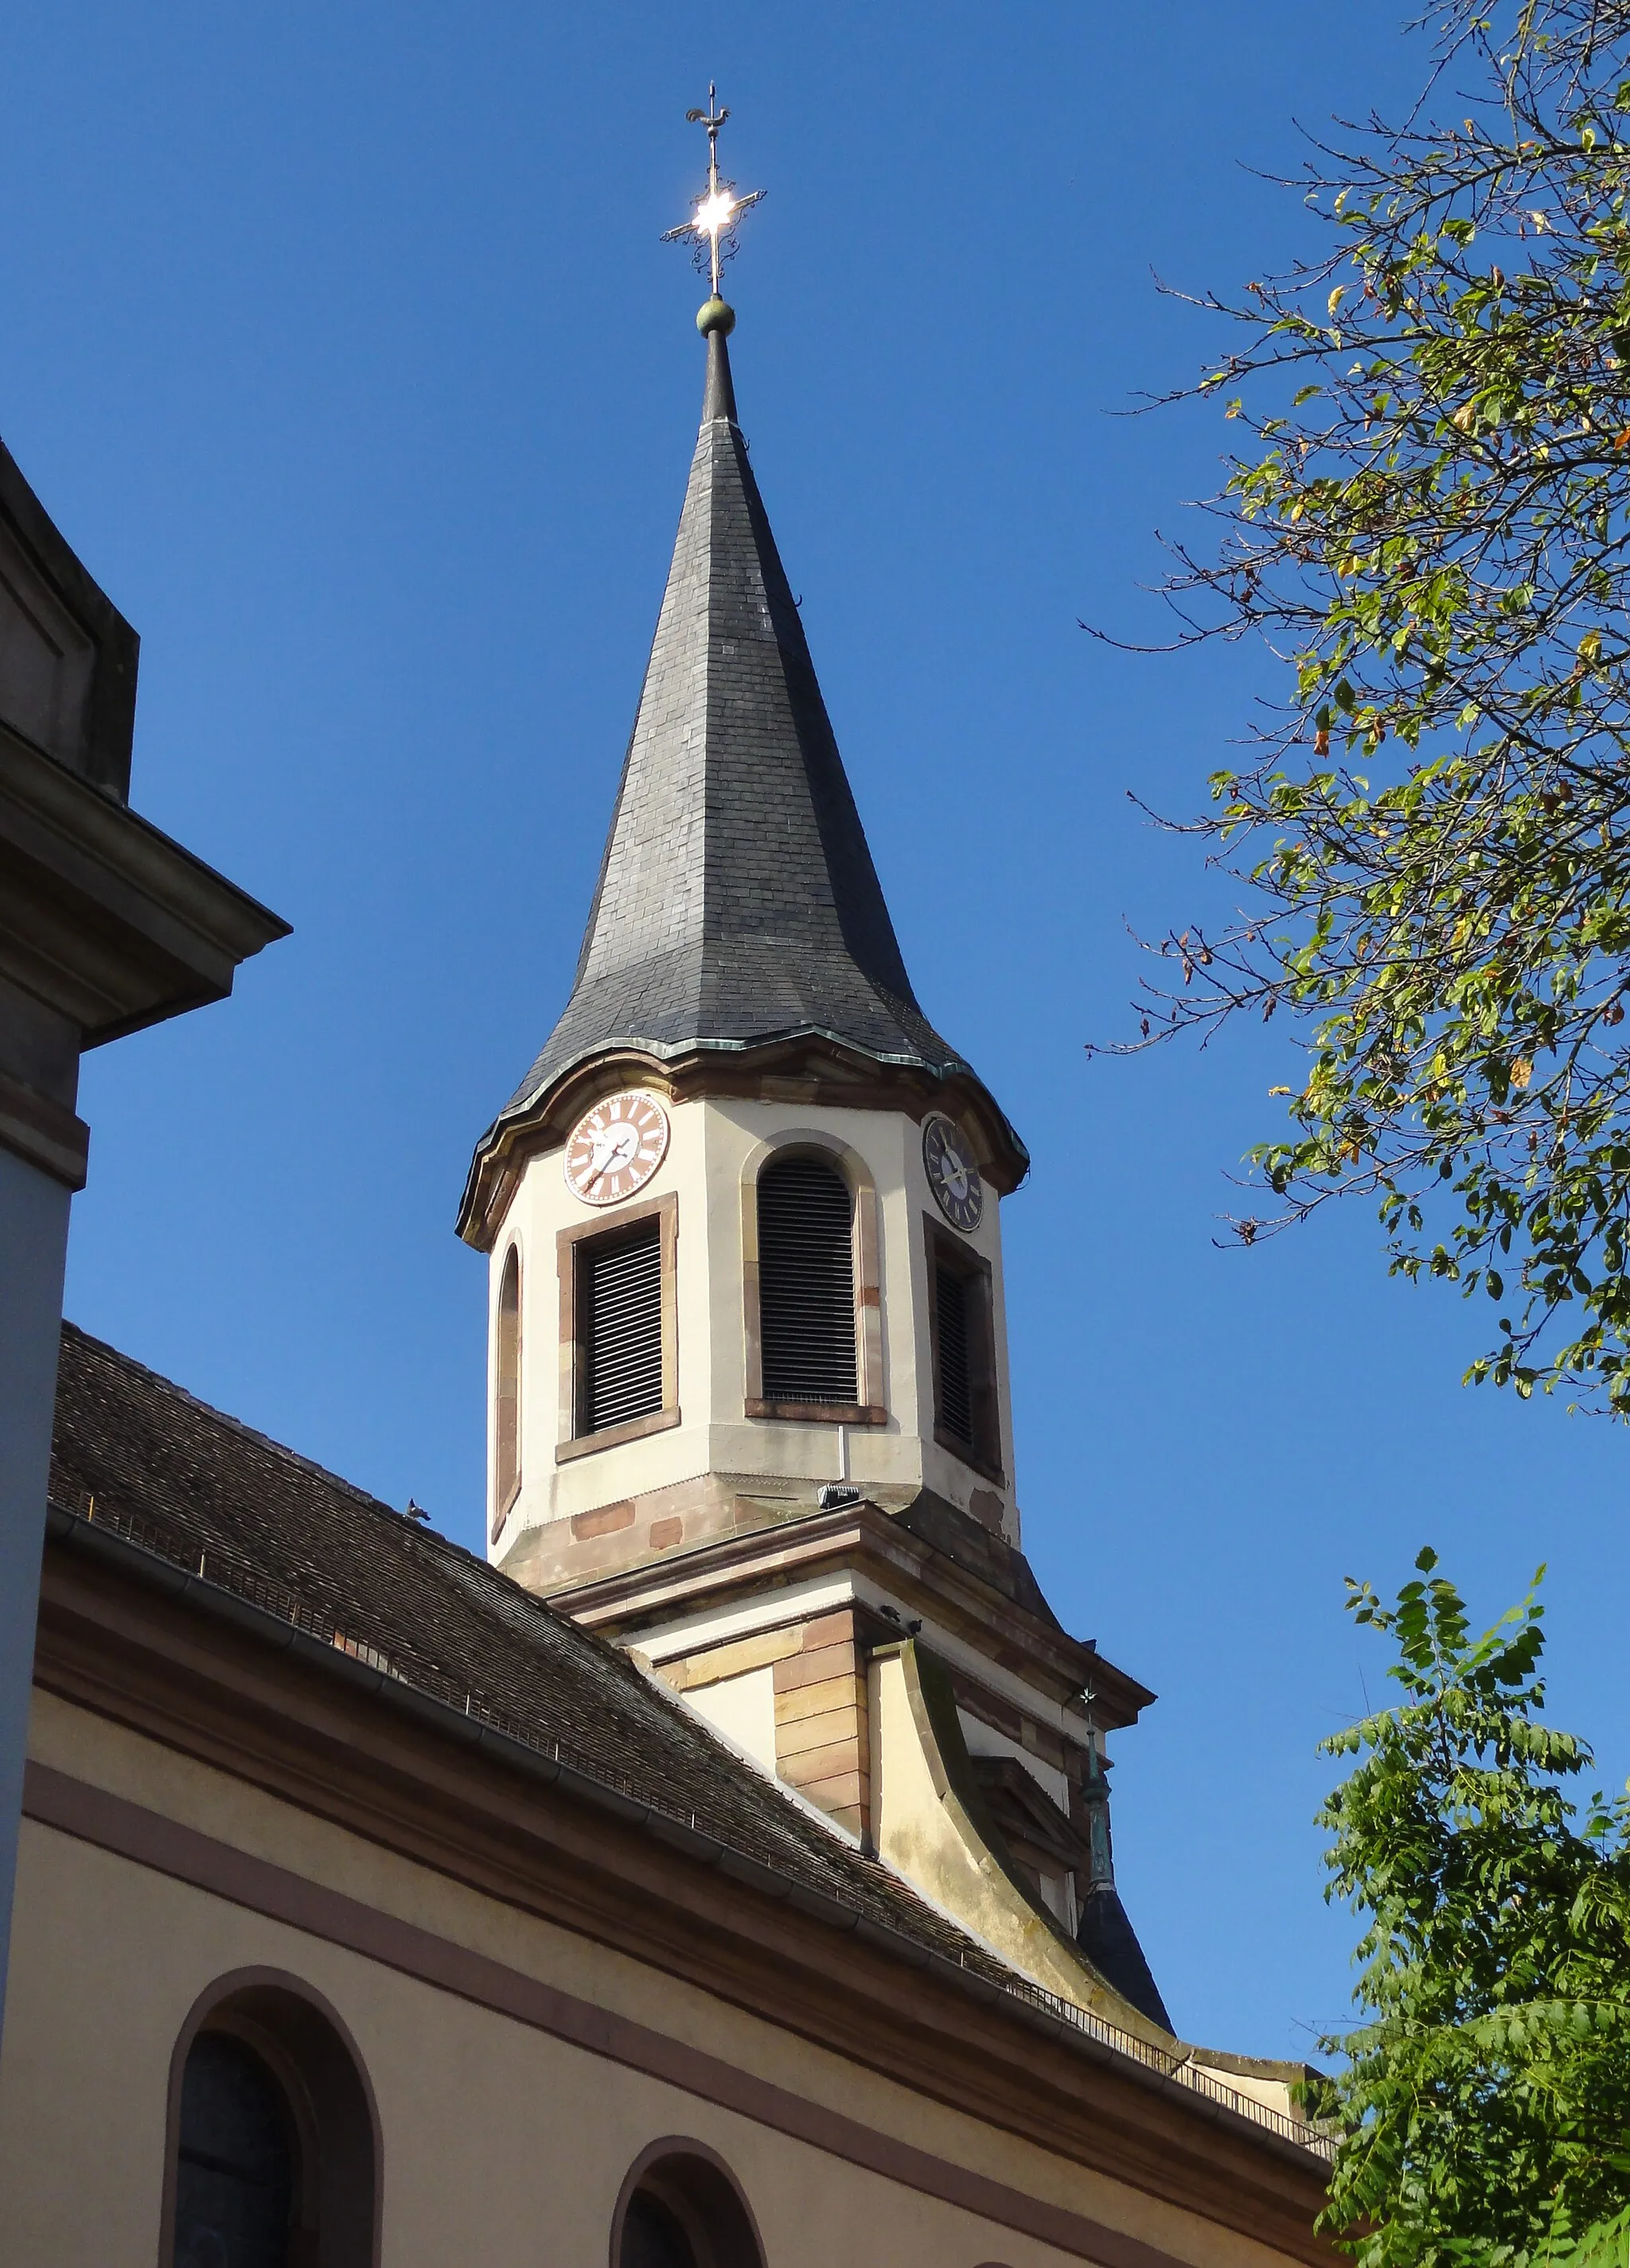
(751, 1194)
(748, 1397)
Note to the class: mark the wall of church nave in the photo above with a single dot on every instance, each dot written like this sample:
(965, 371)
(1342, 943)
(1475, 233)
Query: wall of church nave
(504, 2136)
(500, 2143)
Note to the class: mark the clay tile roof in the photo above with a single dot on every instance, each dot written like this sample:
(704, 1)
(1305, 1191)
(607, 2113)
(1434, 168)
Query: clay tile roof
(164, 1478)
(182, 1480)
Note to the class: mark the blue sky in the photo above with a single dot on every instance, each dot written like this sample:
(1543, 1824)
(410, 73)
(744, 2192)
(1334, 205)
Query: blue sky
(339, 340)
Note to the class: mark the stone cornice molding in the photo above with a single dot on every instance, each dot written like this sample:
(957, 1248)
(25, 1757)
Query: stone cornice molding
(811, 1069)
(103, 917)
(44, 1132)
(867, 1539)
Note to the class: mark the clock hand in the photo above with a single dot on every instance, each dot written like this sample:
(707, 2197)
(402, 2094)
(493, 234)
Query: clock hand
(617, 1153)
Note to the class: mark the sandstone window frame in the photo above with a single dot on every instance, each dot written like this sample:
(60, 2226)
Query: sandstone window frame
(870, 1406)
(944, 1249)
(507, 1355)
(571, 1441)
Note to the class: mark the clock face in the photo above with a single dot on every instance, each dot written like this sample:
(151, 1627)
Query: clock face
(953, 1176)
(616, 1147)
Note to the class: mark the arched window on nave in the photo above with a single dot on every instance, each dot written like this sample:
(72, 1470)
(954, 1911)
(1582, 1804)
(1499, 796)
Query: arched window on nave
(237, 2177)
(682, 2209)
(274, 2151)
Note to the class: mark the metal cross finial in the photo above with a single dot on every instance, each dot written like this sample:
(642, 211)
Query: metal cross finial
(713, 223)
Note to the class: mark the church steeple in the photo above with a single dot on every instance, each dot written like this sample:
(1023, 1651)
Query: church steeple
(738, 902)
(739, 1004)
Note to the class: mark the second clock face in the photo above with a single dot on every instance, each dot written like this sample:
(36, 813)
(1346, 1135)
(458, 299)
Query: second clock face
(953, 1176)
(616, 1147)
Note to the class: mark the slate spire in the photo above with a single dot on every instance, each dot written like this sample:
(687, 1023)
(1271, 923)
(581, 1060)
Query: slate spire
(738, 903)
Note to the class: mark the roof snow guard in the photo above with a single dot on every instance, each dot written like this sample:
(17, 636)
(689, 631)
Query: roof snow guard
(738, 905)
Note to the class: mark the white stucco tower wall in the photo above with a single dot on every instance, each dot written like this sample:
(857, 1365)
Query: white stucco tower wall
(709, 1176)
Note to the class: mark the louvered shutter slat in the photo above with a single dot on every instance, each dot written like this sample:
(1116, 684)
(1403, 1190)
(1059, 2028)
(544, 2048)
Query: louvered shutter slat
(806, 1283)
(621, 1286)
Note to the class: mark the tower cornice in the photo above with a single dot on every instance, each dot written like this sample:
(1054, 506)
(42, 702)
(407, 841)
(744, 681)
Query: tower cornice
(812, 1068)
(1011, 1624)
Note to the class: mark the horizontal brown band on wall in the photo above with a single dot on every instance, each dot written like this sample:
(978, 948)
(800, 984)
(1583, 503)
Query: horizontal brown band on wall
(112, 1823)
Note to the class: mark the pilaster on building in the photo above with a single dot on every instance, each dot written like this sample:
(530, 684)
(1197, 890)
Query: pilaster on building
(107, 926)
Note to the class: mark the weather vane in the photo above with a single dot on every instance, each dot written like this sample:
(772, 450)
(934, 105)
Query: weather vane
(712, 225)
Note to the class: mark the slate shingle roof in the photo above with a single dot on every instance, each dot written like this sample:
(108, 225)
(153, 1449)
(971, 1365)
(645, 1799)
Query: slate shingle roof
(737, 903)
(185, 1481)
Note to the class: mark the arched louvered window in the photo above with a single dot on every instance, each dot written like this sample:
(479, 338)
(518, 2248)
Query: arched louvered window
(506, 1475)
(806, 1282)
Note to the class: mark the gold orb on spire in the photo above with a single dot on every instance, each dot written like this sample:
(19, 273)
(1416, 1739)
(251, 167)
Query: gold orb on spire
(712, 227)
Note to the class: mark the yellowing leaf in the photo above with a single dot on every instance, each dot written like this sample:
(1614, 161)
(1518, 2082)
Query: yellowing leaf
(1522, 1071)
